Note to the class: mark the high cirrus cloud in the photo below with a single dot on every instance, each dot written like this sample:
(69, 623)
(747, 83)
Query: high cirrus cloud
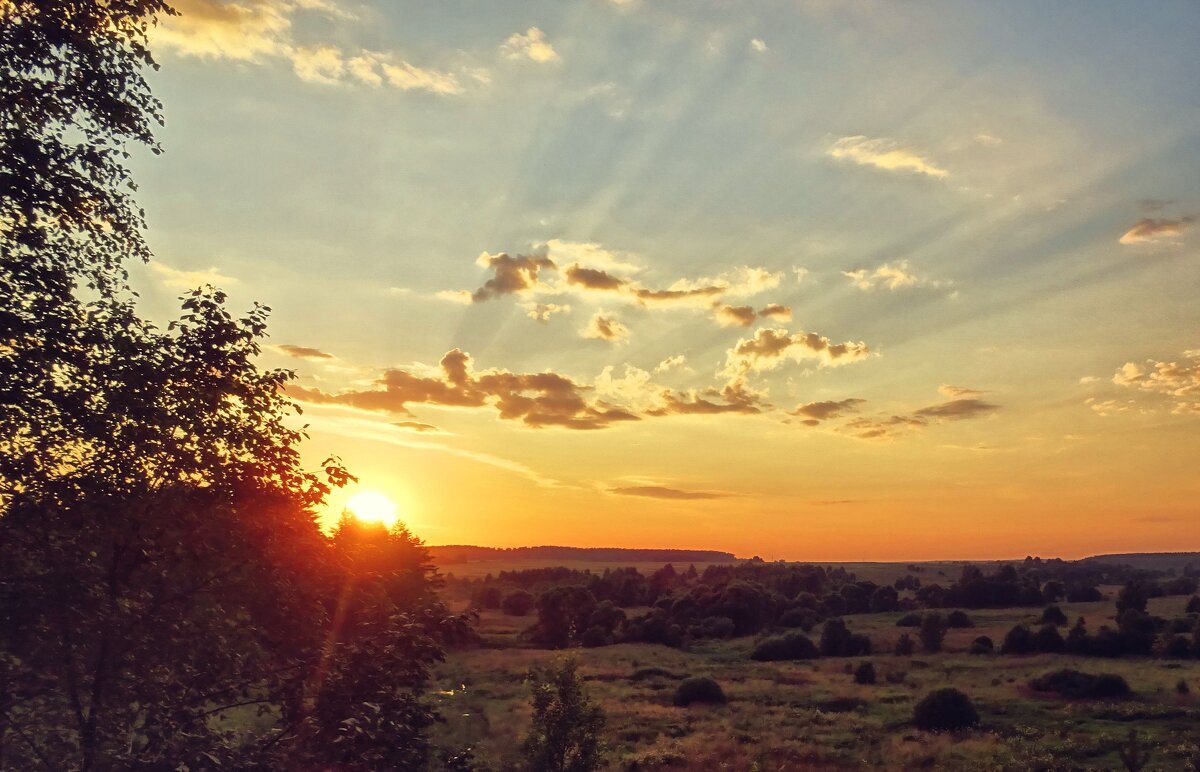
(534, 399)
(303, 352)
(883, 153)
(260, 31)
(664, 492)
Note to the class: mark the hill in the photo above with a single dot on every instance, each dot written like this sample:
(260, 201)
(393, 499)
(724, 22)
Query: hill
(1155, 561)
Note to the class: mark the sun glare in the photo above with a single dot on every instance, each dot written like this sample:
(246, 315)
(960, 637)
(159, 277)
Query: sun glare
(373, 507)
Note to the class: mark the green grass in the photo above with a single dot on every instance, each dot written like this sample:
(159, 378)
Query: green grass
(803, 715)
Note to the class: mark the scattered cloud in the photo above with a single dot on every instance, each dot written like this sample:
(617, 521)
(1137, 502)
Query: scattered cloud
(1088, 379)
(415, 426)
(735, 316)
(260, 31)
(771, 347)
(1177, 380)
(179, 279)
(604, 327)
(534, 399)
(671, 363)
(462, 297)
(893, 277)
(813, 413)
(777, 312)
(530, 44)
(662, 492)
(955, 392)
(883, 153)
(957, 409)
(758, 46)
(510, 274)
(303, 352)
(543, 311)
(1150, 230)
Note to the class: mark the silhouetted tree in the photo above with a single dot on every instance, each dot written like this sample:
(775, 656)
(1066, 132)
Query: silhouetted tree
(565, 736)
(933, 631)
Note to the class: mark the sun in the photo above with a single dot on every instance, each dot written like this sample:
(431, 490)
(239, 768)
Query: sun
(373, 507)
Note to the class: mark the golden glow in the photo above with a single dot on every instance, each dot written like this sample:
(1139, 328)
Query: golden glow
(373, 507)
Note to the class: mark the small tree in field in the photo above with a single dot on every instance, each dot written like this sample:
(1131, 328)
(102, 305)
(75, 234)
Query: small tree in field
(565, 736)
(933, 631)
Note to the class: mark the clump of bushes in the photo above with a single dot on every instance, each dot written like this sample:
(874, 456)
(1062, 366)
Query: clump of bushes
(933, 632)
(1053, 615)
(1018, 641)
(904, 646)
(865, 674)
(1082, 686)
(838, 641)
(518, 603)
(803, 618)
(700, 689)
(982, 645)
(793, 645)
(909, 620)
(959, 619)
(945, 710)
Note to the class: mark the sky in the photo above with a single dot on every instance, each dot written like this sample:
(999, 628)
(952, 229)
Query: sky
(809, 280)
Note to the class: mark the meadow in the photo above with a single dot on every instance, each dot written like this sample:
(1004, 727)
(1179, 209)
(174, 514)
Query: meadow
(812, 714)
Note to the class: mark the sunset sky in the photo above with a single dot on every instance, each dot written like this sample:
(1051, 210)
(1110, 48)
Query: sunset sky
(814, 280)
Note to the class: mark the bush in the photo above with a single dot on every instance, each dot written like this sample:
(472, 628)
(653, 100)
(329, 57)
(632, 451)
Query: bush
(1085, 686)
(1178, 648)
(1182, 686)
(517, 603)
(1193, 604)
(1053, 615)
(838, 641)
(904, 646)
(1048, 639)
(595, 636)
(933, 631)
(909, 620)
(982, 645)
(959, 619)
(803, 618)
(713, 627)
(566, 725)
(865, 674)
(700, 689)
(783, 647)
(945, 710)
(1018, 641)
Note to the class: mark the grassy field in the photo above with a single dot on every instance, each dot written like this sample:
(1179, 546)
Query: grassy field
(812, 715)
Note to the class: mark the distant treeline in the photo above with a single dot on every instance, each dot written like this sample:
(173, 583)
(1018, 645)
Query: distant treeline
(1155, 561)
(450, 554)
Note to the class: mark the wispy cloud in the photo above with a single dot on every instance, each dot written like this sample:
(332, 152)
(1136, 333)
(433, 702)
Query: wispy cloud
(530, 44)
(1150, 230)
(663, 492)
(179, 279)
(885, 154)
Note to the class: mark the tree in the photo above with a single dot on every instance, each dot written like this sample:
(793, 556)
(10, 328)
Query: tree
(933, 631)
(565, 735)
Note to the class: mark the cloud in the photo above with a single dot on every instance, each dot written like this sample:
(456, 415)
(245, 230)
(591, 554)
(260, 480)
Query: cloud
(887, 275)
(957, 409)
(303, 352)
(950, 390)
(771, 347)
(593, 278)
(1149, 230)
(881, 428)
(730, 316)
(758, 45)
(1180, 381)
(463, 297)
(662, 492)
(603, 327)
(543, 311)
(814, 413)
(534, 399)
(415, 426)
(883, 153)
(189, 280)
(671, 363)
(530, 44)
(259, 31)
(777, 312)
(510, 274)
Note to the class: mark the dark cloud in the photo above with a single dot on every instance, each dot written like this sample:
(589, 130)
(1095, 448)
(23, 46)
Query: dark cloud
(592, 278)
(668, 296)
(512, 274)
(742, 316)
(776, 312)
(303, 352)
(881, 428)
(602, 327)
(661, 492)
(814, 413)
(535, 399)
(957, 409)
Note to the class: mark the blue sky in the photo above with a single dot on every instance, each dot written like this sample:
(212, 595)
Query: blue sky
(995, 200)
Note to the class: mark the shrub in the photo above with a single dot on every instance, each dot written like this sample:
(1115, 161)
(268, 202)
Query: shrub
(713, 627)
(1018, 641)
(1193, 604)
(904, 646)
(699, 689)
(865, 674)
(1182, 686)
(1048, 639)
(933, 631)
(945, 710)
(517, 603)
(982, 645)
(791, 645)
(959, 619)
(1053, 615)
(1178, 647)
(1085, 686)
(909, 620)
(566, 726)
(595, 636)
(803, 618)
